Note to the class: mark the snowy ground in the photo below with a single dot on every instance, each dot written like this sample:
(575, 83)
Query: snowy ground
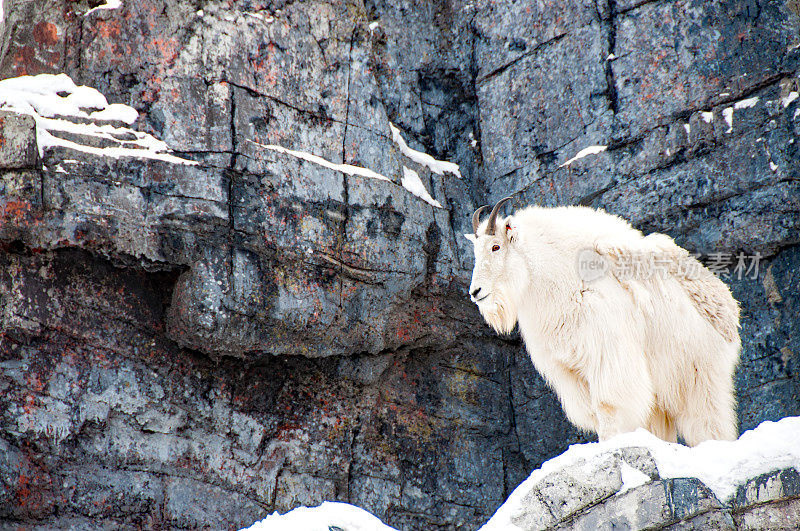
(721, 465)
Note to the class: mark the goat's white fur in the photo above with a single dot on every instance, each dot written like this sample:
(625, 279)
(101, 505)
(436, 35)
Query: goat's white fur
(620, 352)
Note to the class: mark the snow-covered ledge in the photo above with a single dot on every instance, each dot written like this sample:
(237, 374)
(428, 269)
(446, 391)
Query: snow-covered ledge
(634, 481)
(637, 481)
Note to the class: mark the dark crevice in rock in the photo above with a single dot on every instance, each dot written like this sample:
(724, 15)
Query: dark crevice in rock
(611, 36)
(479, 187)
(79, 52)
(341, 237)
(453, 235)
(508, 486)
(499, 70)
(256, 94)
(636, 5)
(351, 464)
(431, 247)
(315, 115)
(231, 173)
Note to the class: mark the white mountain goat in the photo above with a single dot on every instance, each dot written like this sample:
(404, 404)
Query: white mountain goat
(629, 330)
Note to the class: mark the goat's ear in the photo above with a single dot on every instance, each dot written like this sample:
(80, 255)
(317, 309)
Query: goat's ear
(470, 237)
(508, 231)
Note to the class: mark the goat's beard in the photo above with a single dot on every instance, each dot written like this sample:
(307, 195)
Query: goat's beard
(499, 314)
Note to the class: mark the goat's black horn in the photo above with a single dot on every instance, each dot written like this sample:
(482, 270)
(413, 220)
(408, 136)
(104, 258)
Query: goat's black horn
(476, 218)
(490, 228)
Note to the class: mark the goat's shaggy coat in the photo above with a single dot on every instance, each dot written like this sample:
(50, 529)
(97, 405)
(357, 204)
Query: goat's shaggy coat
(655, 349)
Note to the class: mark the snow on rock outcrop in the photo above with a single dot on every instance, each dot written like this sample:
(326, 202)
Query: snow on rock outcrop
(110, 4)
(636, 480)
(413, 184)
(328, 516)
(591, 150)
(410, 181)
(80, 118)
(344, 168)
(436, 166)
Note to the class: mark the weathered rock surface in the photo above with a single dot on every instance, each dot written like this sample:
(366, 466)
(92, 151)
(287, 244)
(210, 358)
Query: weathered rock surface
(189, 345)
(589, 495)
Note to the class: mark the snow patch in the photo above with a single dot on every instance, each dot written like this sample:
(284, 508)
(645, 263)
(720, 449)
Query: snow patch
(329, 515)
(631, 477)
(708, 117)
(611, 57)
(688, 129)
(49, 97)
(436, 166)
(46, 139)
(344, 168)
(789, 98)
(413, 184)
(744, 104)
(410, 181)
(110, 4)
(721, 465)
(727, 113)
(773, 166)
(591, 150)
(116, 112)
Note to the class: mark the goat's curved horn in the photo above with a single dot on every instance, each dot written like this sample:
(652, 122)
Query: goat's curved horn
(476, 218)
(490, 228)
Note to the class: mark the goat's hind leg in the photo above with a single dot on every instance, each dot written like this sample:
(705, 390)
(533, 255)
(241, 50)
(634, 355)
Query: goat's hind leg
(709, 411)
(662, 425)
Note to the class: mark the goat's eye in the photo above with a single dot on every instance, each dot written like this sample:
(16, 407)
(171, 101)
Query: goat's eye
(495, 247)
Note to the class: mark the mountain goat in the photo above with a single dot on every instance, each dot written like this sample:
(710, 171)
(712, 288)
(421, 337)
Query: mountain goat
(629, 330)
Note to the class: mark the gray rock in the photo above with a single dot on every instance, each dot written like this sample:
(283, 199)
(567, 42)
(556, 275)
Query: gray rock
(188, 503)
(580, 485)
(782, 515)
(710, 520)
(652, 505)
(771, 487)
(17, 141)
(536, 514)
(639, 508)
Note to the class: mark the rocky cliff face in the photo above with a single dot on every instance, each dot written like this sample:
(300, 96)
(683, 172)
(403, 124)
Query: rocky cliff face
(200, 344)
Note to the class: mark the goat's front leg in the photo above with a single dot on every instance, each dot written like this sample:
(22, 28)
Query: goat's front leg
(609, 422)
(571, 389)
(621, 392)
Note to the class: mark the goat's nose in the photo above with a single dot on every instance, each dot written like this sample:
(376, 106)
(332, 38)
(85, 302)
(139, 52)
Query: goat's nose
(475, 292)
